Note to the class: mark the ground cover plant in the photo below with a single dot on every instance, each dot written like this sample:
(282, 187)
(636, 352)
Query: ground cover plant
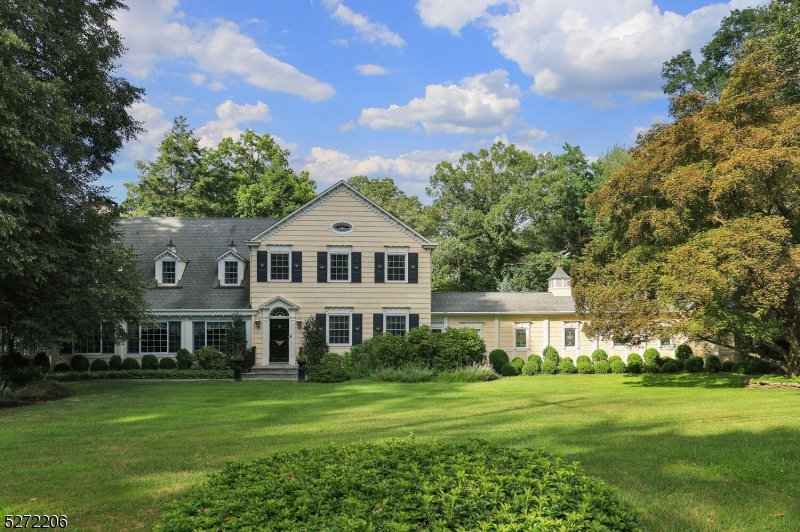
(696, 452)
(403, 485)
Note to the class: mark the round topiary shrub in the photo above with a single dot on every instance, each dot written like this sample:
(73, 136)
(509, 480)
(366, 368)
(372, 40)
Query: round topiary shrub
(635, 358)
(583, 358)
(184, 358)
(693, 364)
(42, 361)
(618, 366)
(713, 364)
(167, 363)
(509, 370)
(598, 355)
(652, 357)
(115, 363)
(679, 363)
(337, 489)
(149, 362)
(61, 367)
(727, 366)
(99, 365)
(533, 365)
(79, 363)
(549, 367)
(651, 368)
(614, 358)
(518, 363)
(550, 353)
(602, 366)
(585, 367)
(683, 352)
(635, 363)
(669, 367)
(567, 366)
(497, 359)
(130, 363)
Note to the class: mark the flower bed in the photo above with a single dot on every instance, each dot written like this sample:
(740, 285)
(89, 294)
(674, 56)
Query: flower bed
(773, 381)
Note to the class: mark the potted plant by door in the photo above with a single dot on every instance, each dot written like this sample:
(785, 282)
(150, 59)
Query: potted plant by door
(302, 365)
(237, 357)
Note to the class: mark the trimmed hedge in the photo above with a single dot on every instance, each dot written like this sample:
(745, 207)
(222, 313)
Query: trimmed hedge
(402, 485)
(602, 366)
(497, 359)
(713, 364)
(167, 363)
(509, 370)
(694, 364)
(533, 365)
(184, 358)
(42, 361)
(328, 374)
(651, 368)
(651, 356)
(518, 363)
(583, 358)
(549, 367)
(598, 355)
(635, 363)
(130, 364)
(683, 352)
(142, 374)
(115, 362)
(618, 366)
(61, 367)
(585, 366)
(567, 366)
(669, 367)
(149, 362)
(614, 359)
(550, 353)
(99, 365)
(79, 363)
(727, 366)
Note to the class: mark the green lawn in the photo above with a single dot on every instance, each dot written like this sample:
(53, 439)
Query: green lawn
(695, 452)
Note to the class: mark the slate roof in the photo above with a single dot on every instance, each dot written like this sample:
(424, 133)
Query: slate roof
(500, 302)
(199, 241)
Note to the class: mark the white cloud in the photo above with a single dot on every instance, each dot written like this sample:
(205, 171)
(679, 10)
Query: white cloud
(584, 49)
(369, 31)
(152, 35)
(229, 116)
(368, 69)
(339, 42)
(638, 130)
(347, 126)
(485, 103)
(217, 86)
(532, 134)
(156, 127)
(181, 99)
(197, 78)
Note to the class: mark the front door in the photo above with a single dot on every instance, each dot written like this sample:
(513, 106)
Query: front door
(278, 340)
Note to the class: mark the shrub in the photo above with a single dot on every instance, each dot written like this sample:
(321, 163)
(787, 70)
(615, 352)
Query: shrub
(149, 362)
(712, 364)
(567, 366)
(652, 357)
(740, 368)
(13, 360)
(585, 366)
(679, 363)
(143, 374)
(167, 363)
(422, 345)
(249, 359)
(756, 365)
(99, 365)
(533, 365)
(130, 363)
(19, 377)
(115, 363)
(408, 373)
(208, 357)
(79, 363)
(518, 363)
(727, 366)
(184, 358)
(602, 366)
(651, 368)
(509, 370)
(315, 344)
(332, 359)
(472, 373)
(459, 348)
(634, 357)
(329, 373)
(550, 353)
(381, 351)
(694, 364)
(635, 363)
(61, 367)
(498, 358)
(549, 367)
(598, 355)
(614, 359)
(583, 358)
(618, 366)
(683, 352)
(669, 367)
(42, 361)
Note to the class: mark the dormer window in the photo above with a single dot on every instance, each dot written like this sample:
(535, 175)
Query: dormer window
(230, 267)
(168, 272)
(231, 272)
(169, 267)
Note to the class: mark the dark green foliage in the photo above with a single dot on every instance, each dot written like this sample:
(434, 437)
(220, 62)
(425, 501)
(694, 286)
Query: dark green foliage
(13, 360)
(19, 377)
(651, 368)
(549, 367)
(61, 367)
(757, 366)
(713, 364)
(407, 373)
(602, 366)
(383, 351)
(585, 366)
(679, 363)
(497, 359)
(669, 367)
(185, 358)
(683, 352)
(150, 362)
(137, 373)
(99, 364)
(518, 363)
(599, 354)
(315, 345)
(614, 358)
(79, 363)
(422, 345)
(332, 359)
(235, 344)
(652, 357)
(42, 361)
(249, 359)
(328, 373)
(693, 364)
(567, 366)
(740, 368)
(583, 358)
(550, 353)
(416, 486)
(635, 363)
(208, 357)
(533, 365)
(459, 348)
(115, 363)
(167, 363)
(634, 357)
(727, 366)
(618, 366)
(509, 370)
(130, 363)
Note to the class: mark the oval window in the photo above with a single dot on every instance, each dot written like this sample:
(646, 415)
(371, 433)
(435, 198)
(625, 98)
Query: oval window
(341, 227)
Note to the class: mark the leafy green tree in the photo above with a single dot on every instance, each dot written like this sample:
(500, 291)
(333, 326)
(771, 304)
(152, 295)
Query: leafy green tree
(314, 345)
(64, 117)
(385, 193)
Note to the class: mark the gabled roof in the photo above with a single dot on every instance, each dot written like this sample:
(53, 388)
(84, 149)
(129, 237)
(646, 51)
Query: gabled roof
(232, 252)
(341, 185)
(171, 254)
(500, 303)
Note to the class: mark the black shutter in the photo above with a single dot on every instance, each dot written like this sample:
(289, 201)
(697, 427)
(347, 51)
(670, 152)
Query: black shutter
(261, 266)
(358, 329)
(322, 266)
(355, 267)
(297, 266)
(321, 325)
(413, 266)
(379, 275)
(413, 321)
(377, 323)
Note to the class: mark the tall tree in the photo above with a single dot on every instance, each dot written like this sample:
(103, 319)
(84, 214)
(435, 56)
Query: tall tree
(385, 193)
(63, 117)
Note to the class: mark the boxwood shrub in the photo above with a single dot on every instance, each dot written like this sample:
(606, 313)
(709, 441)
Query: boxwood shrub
(635, 363)
(130, 363)
(694, 364)
(149, 362)
(549, 367)
(509, 370)
(651, 368)
(583, 358)
(533, 365)
(652, 357)
(42, 361)
(669, 367)
(497, 359)
(712, 364)
(567, 366)
(402, 485)
(618, 366)
(550, 353)
(167, 363)
(602, 366)
(683, 352)
(99, 365)
(518, 363)
(328, 373)
(115, 363)
(79, 363)
(614, 358)
(61, 367)
(585, 366)
(598, 355)
(184, 358)
(67, 375)
(727, 366)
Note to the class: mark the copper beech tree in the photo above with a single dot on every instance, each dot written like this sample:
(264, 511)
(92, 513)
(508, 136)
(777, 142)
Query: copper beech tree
(701, 228)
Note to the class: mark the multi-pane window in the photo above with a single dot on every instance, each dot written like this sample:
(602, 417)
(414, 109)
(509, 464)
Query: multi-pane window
(520, 337)
(158, 337)
(101, 341)
(340, 267)
(339, 330)
(210, 333)
(396, 325)
(569, 337)
(395, 267)
(231, 272)
(168, 272)
(154, 338)
(279, 266)
(437, 325)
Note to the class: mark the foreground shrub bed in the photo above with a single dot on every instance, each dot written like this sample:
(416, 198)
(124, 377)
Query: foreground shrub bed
(143, 374)
(403, 485)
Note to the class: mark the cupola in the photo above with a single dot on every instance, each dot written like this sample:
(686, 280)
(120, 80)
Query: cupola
(560, 284)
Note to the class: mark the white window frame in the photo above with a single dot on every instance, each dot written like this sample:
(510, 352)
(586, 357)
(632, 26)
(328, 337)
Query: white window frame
(225, 272)
(576, 325)
(340, 251)
(341, 233)
(474, 325)
(269, 266)
(522, 326)
(392, 311)
(174, 272)
(439, 324)
(338, 312)
(394, 251)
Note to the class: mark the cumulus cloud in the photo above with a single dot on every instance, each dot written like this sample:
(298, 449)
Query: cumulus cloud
(369, 31)
(229, 116)
(532, 134)
(584, 49)
(153, 34)
(368, 69)
(347, 126)
(156, 127)
(480, 104)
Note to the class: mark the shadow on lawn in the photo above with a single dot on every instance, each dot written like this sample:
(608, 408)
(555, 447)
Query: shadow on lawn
(690, 380)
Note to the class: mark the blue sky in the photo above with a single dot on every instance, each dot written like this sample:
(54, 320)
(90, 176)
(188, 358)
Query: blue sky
(392, 88)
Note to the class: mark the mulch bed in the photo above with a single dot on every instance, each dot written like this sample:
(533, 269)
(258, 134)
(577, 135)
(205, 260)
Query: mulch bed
(56, 392)
(771, 385)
